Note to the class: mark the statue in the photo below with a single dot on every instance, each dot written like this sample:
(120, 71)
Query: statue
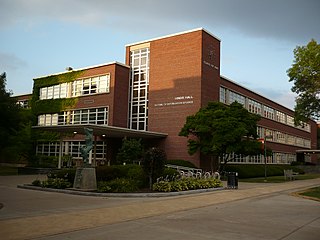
(88, 146)
(85, 178)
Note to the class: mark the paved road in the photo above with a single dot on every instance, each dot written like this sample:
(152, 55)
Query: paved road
(255, 211)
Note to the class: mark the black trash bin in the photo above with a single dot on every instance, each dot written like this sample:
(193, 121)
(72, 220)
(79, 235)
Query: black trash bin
(232, 178)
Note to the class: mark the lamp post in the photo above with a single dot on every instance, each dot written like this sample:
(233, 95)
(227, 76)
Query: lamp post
(265, 155)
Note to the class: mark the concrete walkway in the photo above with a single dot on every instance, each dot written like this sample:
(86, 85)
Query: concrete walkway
(85, 218)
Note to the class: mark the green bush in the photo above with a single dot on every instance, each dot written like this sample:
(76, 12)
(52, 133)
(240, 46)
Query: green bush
(185, 184)
(137, 174)
(119, 185)
(58, 183)
(170, 173)
(107, 173)
(67, 174)
(162, 186)
(257, 170)
(130, 171)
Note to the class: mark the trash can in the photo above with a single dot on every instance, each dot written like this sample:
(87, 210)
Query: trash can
(232, 178)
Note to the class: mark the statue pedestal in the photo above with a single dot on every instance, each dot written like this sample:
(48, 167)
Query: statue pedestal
(85, 179)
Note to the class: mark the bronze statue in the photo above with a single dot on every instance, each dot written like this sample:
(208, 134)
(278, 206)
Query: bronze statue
(88, 145)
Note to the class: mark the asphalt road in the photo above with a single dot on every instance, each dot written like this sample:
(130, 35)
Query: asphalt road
(254, 211)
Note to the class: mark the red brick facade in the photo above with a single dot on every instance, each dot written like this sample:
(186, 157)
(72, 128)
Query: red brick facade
(184, 75)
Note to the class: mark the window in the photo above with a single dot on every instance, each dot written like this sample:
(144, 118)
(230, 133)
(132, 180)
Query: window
(87, 86)
(235, 97)
(81, 116)
(280, 117)
(254, 107)
(268, 112)
(54, 92)
(223, 97)
(23, 103)
(139, 82)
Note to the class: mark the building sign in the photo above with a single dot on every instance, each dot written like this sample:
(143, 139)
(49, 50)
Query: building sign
(179, 100)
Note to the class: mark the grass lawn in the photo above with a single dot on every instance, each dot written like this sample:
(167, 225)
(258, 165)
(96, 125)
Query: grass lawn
(279, 179)
(5, 171)
(312, 192)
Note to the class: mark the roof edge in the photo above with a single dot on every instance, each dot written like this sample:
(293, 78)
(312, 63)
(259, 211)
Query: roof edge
(85, 68)
(172, 35)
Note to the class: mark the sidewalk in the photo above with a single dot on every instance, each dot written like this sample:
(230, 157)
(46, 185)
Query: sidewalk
(50, 224)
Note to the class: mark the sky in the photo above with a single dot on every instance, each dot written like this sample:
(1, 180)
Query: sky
(42, 37)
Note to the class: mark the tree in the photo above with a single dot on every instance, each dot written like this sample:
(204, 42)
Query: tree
(305, 75)
(219, 130)
(10, 114)
(130, 151)
(154, 163)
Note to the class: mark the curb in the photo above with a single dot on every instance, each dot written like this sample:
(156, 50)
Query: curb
(133, 195)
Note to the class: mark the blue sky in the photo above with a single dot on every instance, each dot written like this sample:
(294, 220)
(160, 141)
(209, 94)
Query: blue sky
(41, 37)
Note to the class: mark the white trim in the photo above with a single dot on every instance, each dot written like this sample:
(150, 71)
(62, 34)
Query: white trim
(85, 68)
(172, 35)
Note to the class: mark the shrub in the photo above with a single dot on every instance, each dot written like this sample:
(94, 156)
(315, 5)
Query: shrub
(58, 183)
(186, 184)
(119, 185)
(131, 171)
(130, 151)
(107, 173)
(170, 173)
(162, 186)
(153, 164)
(257, 170)
(137, 174)
(67, 174)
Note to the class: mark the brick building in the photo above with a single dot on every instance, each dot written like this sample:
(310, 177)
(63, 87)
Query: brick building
(163, 81)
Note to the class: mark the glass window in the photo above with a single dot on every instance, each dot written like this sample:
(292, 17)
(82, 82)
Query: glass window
(235, 97)
(43, 93)
(56, 91)
(223, 97)
(63, 90)
(50, 92)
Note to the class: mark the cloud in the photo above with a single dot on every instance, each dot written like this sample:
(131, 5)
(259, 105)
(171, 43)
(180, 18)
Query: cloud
(293, 20)
(9, 61)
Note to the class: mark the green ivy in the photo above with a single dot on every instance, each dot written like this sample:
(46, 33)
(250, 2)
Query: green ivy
(53, 105)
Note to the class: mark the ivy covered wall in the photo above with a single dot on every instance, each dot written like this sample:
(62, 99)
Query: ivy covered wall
(53, 105)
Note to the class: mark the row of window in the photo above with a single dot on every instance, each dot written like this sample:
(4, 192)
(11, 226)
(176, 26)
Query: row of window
(281, 137)
(80, 116)
(228, 96)
(71, 148)
(276, 158)
(82, 87)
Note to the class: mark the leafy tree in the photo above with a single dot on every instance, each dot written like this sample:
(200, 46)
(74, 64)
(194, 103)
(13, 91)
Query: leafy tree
(130, 151)
(305, 75)
(154, 163)
(10, 114)
(219, 130)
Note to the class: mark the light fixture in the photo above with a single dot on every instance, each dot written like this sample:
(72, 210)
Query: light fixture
(75, 132)
(103, 135)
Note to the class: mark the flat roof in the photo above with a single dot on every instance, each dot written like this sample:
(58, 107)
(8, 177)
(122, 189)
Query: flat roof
(85, 68)
(108, 131)
(174, 34)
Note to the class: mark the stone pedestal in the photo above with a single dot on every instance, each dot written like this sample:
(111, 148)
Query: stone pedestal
(85, 179)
